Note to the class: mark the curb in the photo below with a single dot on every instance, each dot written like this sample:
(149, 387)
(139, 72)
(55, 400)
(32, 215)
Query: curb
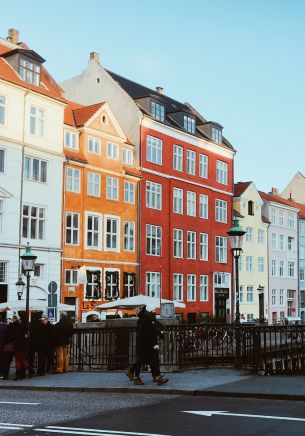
(157, 391)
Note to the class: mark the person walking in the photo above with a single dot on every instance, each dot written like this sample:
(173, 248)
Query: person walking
(148, 331)
(63, 331)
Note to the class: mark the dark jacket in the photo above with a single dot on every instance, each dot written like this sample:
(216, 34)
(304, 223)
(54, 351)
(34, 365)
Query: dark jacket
(63, 331)
(148, 331)
(37, 336)
(18, 333)
(3, 327)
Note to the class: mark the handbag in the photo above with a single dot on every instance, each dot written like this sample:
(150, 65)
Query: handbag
(9, 347)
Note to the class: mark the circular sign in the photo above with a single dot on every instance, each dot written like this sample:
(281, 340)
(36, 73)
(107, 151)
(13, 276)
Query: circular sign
(52, 287)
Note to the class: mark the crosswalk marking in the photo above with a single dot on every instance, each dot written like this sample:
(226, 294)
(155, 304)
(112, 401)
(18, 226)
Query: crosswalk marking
(16, 425)
(12, 426)
(19, 402)
(92, 431)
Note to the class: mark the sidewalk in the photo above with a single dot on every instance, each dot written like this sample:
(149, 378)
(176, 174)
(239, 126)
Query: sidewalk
(205, 382)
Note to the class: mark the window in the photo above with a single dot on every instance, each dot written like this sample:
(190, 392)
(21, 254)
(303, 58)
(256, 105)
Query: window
(72, 228)
(221, 211)
(273, 297)
(178, 243)
(241, 294)
(29, 72)
(37, 121)
(94, 182)
(250, 208)
(33, 222)
(249, 234)
(35, 169)
(290, 243)
(112, 151)
(153, 240)
(178, 200)
(178, 287)
(249, 294)
(291, 220)
(71, 139)
(2, 159)
(112, 188)
(129, 280)
(302, 252)
(93, 284)
(189, 124)
(129, 192)
(191, 287)
(157, 110)
(282, 242)
(154, 150)
(3, 272)
(153, 284)
(240, 263)
(221, 249)
(261, 264)
(249, 317)
(178, 158)
(1, 216)
(191, 245)
(261, 236)
(2, 109)
(71, 276)
(94, 145)
(191, 162)
(191, 203)
(273, 267)
(112, 285)
(153, 195)
(273, 241)
(273, 216)
(203, 166)
(129, 236)
(203, 206)
(72, 180)
(281, 218)
(290, 294)
(221, 172)
(127, 156)
(216, 135)
(204, 246)
(302, 273)
(93, 231)
(281, 268)
(291, 269)
(249, 263)
(112, 233)
(204, 288)
(281, 297)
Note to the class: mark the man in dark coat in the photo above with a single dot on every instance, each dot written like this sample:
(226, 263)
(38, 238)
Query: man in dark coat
(148, 331)
(63, 331)
(3, 327)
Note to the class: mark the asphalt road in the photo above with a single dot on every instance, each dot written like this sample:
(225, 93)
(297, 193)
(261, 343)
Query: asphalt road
(142, 415)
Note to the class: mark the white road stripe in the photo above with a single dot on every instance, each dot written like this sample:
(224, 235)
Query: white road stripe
(242, 415)
(93, 431)
(19, 402)
(15, 425)
(7, 427)
(49, 430)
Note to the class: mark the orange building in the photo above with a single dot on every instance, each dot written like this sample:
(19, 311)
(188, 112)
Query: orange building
(100, 253)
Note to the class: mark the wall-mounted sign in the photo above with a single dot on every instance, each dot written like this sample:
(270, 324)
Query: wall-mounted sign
(221, 292)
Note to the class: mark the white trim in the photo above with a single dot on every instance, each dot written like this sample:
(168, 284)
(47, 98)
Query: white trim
(100, 245)
(156, 173)
(107, 262)
(187, 138)
(105, 107)
(118, 246)
(274, 204)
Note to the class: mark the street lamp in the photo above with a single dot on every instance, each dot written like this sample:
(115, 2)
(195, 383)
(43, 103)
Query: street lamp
(260, 291)
(28, 263)
(20, 287)
(236, 235)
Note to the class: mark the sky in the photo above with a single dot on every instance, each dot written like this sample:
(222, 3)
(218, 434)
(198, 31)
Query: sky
(240, 63)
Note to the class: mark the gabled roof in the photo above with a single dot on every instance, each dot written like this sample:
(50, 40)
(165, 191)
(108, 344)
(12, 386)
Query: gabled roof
(77, 115)
(240, 187)
(238, 214)
(276, 199)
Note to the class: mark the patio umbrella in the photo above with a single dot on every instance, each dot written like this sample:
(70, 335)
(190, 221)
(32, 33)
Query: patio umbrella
(139, 300)
(35, 305)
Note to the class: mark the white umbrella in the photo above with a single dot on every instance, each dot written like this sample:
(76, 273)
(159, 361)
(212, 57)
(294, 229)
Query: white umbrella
(35, 305)
(139, 300)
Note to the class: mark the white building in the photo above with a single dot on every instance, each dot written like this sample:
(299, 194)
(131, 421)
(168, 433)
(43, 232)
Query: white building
(31, 162)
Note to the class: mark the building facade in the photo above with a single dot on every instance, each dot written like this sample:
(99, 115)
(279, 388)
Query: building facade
(302, 263)
(185, 203)
(31, 159)
(100, 258)
(253, 263)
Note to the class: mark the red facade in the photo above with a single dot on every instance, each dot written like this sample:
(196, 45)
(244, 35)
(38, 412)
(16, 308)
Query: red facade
(170, 178)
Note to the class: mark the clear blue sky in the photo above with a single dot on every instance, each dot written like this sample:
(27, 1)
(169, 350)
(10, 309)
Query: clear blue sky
(240, 63)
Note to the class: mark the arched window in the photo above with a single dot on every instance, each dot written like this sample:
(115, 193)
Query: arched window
(250, 208)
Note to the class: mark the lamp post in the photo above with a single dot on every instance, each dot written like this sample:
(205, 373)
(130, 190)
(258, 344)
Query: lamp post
(20, 287)
(28, 263)
(260, 291)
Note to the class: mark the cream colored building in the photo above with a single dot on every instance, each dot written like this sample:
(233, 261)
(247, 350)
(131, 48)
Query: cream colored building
(295, 189)
(253, 263)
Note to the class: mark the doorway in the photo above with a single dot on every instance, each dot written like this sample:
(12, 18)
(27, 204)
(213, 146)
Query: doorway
(220, 309)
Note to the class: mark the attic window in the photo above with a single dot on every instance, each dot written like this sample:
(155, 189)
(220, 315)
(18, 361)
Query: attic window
(104, 119)
(29, 72)
(157, 110)
(188, 124)
(216, 135)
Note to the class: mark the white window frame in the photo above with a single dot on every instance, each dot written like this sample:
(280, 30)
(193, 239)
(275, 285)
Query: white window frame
(40, 222)
(153, 195)
(204, 246)
(204, 288)
(261, 264)
(178, 200)
(129, 192)
(30, 163)
(153, 240)
(74, 230)
(191, 245)
(203, 206)
(93, 184)
(154, 150)
(177, 157)
(112, 188)
(189, 124)
(112, 150)
(220, 211)
(250, 294)
(191, 287)
(157, 110)
(129, 236)
(98, 231)
(37, 121)
(178, 243)
(203, 166)
(191, 162)
(73, 180)
(221, 249)
(127, 156)
(178, 286)
(70, 139)
(249, 263)
(153, 281)
(221, 172)
(261, 236)
(73, 277)
(191, 203)
(94, 145)
(117, 219)
(249, 234)
(273, 267)
(3, 109)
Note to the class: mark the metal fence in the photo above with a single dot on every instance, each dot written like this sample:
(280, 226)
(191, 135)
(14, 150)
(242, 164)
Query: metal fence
(269, 349)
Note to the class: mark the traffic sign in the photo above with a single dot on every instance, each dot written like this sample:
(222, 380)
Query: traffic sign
(51, 313)
(52, 287)
(52, 300)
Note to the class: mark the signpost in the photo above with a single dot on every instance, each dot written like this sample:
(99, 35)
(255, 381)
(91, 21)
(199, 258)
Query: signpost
(52, 301)
(51, 313)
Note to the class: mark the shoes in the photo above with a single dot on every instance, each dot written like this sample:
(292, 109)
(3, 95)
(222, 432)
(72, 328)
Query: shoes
(137, 381)
(130, 374)
(161, 380)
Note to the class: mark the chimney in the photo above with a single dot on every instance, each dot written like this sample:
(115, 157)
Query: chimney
(13, 36)
(94, 56)
(275, 192)
(160, 90)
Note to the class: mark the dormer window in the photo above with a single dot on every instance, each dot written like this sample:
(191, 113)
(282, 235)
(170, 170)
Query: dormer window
(216, 135)
(189, 124)
(157, 110)
(29, 71)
